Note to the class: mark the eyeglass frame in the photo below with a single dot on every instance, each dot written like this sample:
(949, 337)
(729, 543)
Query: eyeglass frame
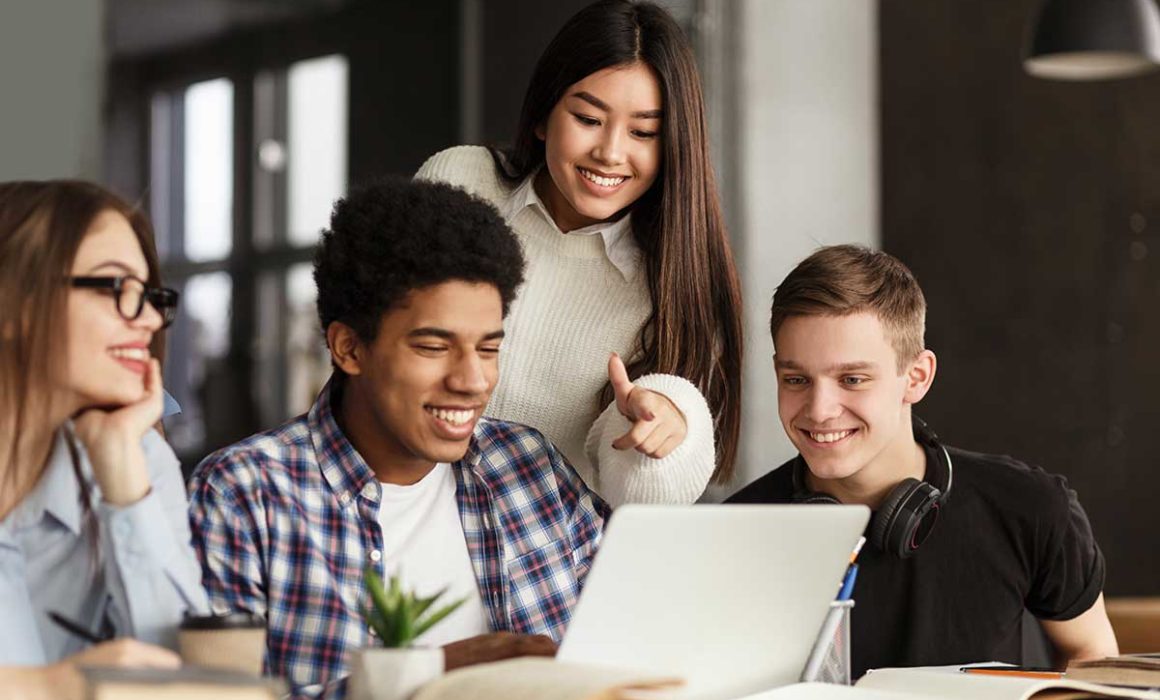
(163, 299)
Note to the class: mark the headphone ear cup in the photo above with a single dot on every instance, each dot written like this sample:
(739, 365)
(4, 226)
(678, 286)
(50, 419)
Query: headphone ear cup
(901, 523)
(882, 529)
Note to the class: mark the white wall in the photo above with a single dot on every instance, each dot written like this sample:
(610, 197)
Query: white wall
(51, 76)
(808, 171)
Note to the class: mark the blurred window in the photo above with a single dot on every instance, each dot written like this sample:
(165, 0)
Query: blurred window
(198, 345)
(208, 160)
(307, 356)
(245, 352)
(317, 144)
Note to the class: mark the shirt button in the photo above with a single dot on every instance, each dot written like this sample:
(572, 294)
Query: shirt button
(376, 555)
(344, 498)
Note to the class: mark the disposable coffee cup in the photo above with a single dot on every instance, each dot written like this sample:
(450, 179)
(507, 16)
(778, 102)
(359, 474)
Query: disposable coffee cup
(235, 641)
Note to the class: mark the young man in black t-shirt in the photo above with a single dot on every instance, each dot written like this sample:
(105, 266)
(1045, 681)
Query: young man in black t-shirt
(847, 327)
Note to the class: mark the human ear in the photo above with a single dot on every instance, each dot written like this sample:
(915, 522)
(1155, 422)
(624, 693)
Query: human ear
(920, 376)
(346, 350)
(541, 132)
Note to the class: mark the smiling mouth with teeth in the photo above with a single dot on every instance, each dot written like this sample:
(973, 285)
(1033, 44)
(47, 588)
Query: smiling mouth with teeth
(454, 417)
(135, 354)
(826, 437)
(602, 181)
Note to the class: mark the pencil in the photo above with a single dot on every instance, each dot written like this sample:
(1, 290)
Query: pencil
(1015, 673)
(75, 628)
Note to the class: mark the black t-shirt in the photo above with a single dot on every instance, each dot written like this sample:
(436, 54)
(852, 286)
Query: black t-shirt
(1009, 536)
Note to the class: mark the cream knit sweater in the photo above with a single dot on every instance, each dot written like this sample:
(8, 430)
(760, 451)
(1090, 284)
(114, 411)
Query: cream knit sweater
(573, 310)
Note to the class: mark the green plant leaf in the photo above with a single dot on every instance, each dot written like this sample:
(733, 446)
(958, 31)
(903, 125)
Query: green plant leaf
(438, 616)
(374, 586)
(397, 615)
(424, 603)
(395, 593)
(383, 621)
(375, 620)
(407, 620)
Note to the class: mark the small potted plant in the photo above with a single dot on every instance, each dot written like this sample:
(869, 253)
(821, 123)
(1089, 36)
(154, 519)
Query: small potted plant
(397, 669)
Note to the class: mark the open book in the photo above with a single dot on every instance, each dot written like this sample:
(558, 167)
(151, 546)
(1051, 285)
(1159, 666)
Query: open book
(1140, 670)
(534, 678)
(911, 684)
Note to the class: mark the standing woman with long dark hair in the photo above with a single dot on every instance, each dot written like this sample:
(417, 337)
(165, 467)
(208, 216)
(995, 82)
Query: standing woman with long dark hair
(93, 515)
(625, 344)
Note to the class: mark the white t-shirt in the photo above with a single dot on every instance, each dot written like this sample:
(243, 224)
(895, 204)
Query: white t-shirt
(423, 542)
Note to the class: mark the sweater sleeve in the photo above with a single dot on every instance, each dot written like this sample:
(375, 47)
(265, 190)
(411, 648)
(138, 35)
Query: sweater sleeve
(627, 476)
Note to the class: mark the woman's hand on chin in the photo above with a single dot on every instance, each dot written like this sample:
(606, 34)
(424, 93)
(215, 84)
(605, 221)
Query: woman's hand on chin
(112, 439)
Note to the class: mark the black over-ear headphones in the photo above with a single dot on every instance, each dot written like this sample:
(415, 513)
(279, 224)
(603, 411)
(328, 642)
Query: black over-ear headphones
(908, 513)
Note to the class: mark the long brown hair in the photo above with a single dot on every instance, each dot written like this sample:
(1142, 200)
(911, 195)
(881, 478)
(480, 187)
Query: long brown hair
(695, 327)
(42, 225)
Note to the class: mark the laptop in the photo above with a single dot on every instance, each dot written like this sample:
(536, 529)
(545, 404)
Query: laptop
(728, 597)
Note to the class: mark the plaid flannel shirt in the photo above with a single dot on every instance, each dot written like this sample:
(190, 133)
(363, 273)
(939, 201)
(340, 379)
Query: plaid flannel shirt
(285, 521)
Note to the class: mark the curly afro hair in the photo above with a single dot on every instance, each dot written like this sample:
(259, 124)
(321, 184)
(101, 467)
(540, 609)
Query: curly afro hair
(398, 235)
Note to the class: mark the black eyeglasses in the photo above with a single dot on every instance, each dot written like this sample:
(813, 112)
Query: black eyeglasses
(130, 295)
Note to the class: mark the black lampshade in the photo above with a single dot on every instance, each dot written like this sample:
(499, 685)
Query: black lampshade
(1094, 39)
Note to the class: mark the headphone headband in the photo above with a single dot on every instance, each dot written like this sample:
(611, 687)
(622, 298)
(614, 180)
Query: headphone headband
(907, 515)
(923, 435)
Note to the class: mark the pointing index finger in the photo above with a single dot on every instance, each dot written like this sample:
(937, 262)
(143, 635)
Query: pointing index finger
(618, 377)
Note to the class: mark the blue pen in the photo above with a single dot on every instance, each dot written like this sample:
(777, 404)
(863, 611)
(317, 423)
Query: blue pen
(847, 590)
(833, 618)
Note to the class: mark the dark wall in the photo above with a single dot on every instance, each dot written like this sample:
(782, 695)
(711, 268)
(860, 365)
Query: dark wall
(404, 60)
(1030, 212)
(404, 86)
(515, 33)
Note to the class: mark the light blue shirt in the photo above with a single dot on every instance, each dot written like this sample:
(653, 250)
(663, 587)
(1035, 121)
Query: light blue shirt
(169, 405)
(137, 581)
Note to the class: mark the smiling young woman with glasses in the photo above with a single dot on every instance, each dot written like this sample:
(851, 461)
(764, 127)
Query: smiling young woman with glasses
(93, 523)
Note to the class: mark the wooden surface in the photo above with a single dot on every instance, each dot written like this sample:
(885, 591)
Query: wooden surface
(1137, 623)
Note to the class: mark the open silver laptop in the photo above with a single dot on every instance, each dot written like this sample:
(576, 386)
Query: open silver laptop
(729, 597)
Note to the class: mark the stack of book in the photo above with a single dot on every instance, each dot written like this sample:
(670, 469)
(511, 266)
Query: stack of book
(1134, 670)
(185, 683)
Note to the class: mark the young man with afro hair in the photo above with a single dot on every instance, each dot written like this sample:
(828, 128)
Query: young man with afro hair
(395, 467)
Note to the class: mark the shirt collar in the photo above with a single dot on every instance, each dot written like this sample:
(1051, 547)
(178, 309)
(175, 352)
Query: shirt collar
(344, 469)
(57, 493)
(619, 246)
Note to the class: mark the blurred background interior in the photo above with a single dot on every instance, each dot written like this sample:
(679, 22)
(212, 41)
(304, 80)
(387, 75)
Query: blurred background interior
(1029, 209)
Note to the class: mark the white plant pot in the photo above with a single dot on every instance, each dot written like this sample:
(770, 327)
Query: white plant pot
(392, 674)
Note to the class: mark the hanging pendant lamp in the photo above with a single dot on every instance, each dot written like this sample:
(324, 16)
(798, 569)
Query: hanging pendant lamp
(1094, 40)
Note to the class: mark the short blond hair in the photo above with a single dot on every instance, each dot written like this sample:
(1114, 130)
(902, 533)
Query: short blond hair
(847, 279)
